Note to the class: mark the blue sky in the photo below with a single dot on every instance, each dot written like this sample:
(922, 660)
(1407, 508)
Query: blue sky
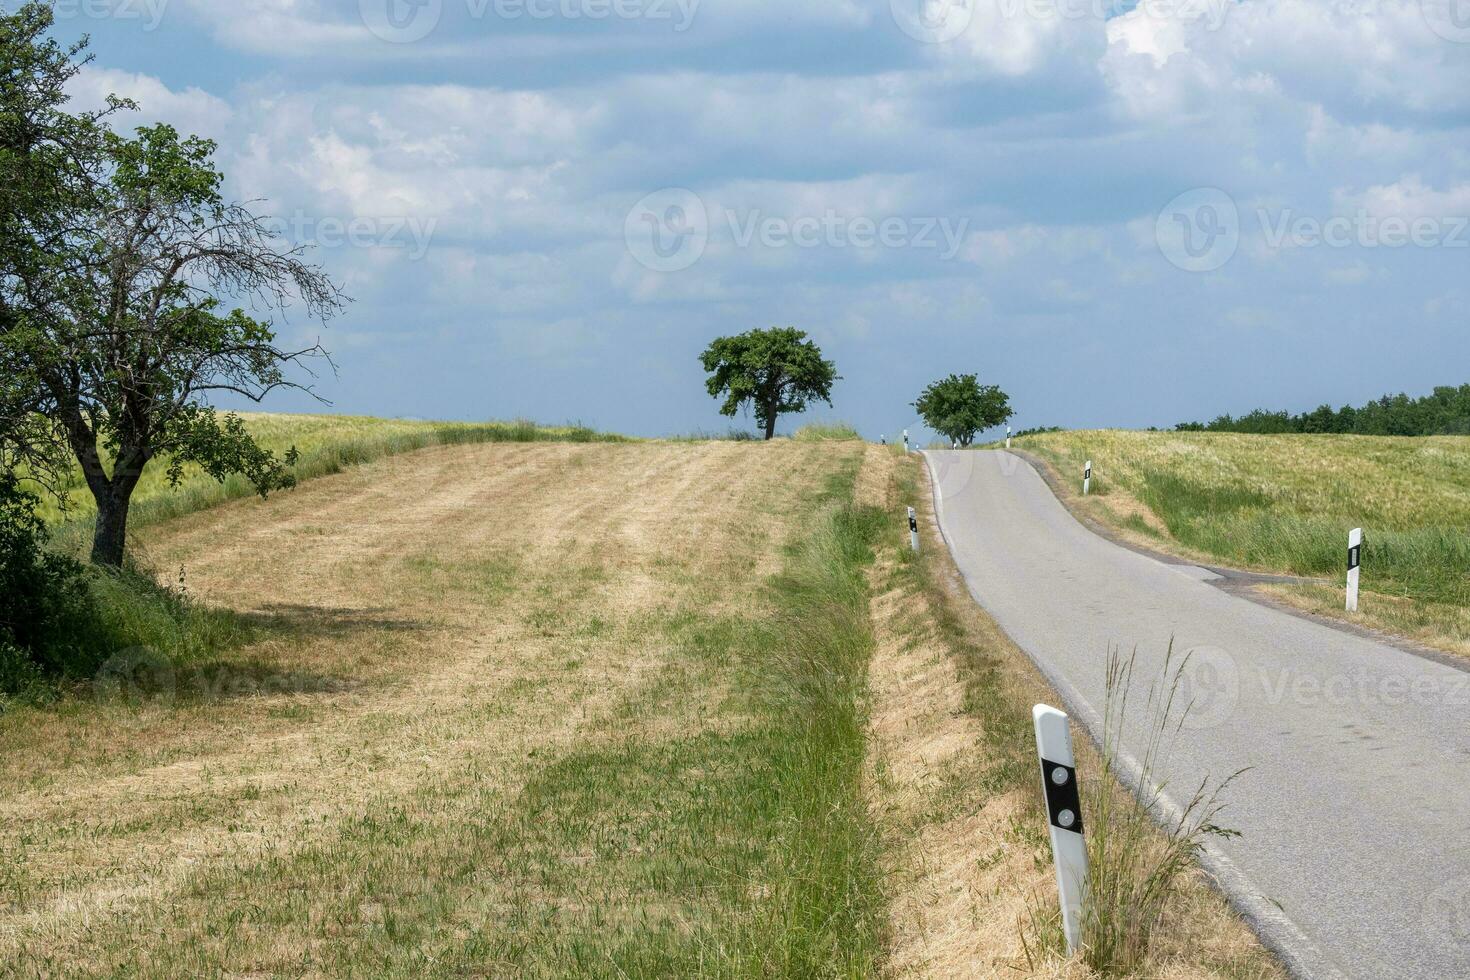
(1123, 216)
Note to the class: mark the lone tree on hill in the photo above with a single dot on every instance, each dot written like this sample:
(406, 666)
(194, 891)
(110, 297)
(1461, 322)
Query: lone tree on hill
(959, 407)
(116, 254)
(776, 370)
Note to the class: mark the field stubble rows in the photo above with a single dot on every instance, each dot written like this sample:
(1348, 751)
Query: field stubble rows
(520, 748)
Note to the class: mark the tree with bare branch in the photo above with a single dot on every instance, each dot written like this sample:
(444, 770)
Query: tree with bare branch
(113, 322)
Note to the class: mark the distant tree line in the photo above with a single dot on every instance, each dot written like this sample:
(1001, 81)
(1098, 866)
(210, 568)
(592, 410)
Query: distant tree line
(1444, 412)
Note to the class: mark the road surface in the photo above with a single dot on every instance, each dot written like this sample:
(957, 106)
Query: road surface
(1355, 814)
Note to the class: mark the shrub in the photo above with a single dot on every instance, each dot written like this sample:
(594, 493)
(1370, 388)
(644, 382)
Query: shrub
(46, 608)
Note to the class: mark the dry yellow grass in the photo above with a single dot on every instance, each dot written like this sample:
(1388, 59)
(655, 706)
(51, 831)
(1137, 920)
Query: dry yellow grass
(455, 624)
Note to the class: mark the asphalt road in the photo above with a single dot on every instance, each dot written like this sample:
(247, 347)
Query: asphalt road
(1355, 811)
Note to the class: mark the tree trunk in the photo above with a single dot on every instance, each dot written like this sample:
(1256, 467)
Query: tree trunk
(111, 536)
(114, 498)
(770, 423)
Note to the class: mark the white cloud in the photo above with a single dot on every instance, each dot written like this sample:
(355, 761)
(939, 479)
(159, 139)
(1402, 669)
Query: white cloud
(1410, 198)
(192, 110)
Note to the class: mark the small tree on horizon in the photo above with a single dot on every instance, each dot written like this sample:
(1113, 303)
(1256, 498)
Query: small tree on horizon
(775, 371)
(959, 407)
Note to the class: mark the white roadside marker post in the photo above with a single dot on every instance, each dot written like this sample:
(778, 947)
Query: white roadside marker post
(1064, 814)
(1008, 437)
(1087, 478)
(905, 441)
(954, 444)
(913, 531)
(1355, 558)
(883, 439)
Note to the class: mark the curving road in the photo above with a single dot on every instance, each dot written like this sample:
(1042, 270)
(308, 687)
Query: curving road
(1355, 814)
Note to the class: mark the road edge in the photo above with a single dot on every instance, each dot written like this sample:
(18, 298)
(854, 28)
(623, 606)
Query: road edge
(1300, 957)
(1236, 581)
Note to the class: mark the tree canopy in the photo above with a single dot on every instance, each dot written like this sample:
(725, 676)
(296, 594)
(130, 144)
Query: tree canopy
(119, 253)
(959, 406)
(1445, 411)
(775, 371)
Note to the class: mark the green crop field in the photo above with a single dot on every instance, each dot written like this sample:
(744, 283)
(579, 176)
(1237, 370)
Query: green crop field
(1285, 503)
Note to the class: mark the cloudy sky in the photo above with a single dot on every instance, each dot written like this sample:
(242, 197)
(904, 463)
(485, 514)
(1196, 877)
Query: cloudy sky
(1124, 215)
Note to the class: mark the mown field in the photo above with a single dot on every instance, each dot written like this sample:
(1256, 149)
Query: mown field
(502, 709)
(327, 444)
(1285, 503)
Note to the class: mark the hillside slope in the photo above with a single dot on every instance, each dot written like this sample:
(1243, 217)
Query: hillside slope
(326, 443)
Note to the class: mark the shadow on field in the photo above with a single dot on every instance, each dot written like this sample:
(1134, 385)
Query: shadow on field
(225, 671)
(316, 622)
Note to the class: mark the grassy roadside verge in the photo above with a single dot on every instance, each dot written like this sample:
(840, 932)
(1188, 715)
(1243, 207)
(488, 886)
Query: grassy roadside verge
(1285, 504)
(825, 913)
(956, 789)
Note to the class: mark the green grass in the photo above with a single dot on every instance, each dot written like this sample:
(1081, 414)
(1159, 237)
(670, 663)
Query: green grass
(1286, 502)
(327, 443)
(825, 431)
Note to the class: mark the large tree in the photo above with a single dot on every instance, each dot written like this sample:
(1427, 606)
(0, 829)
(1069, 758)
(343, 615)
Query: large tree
(46, 170)
(112, 292)
(959, 407)
(773, 371)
